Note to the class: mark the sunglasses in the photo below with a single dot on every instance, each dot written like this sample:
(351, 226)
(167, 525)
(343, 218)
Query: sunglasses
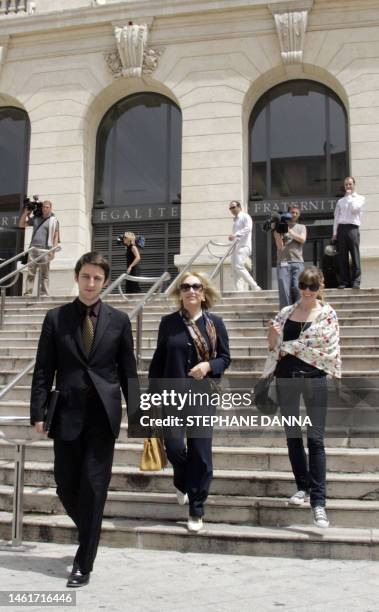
(195, 286)
(232, 207)
(311, 286)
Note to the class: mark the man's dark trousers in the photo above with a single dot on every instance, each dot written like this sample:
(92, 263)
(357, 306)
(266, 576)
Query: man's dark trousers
(83, 469)
(348, 239)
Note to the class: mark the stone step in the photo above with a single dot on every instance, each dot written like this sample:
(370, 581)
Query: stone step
(253, 350)
(154, 310)
(296, 541)
(349, 460)
(258, 437)
(250, 483)
(257, 511)
(237, 343)
(252, 365)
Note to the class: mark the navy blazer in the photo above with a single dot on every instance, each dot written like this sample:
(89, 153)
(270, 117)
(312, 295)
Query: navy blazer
(175, 354)
(109, 366)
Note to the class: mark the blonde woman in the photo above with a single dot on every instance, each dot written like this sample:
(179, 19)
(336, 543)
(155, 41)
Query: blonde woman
(192, 345)
(304, 347)
(133, 258)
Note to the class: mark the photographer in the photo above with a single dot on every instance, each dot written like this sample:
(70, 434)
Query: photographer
(45, 235)
(290, 262)
(133, 258)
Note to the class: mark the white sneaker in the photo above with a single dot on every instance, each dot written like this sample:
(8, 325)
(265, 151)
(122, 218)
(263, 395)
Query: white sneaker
(299, 498)
(195, 523)
(181, 497)
(320, 518)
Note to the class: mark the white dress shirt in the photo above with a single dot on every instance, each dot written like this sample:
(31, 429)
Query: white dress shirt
(348, 210)
(242, 228)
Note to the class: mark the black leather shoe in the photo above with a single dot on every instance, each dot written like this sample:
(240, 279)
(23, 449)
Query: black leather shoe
(77, 578)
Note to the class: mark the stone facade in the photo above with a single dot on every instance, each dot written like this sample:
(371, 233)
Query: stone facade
(214, 58)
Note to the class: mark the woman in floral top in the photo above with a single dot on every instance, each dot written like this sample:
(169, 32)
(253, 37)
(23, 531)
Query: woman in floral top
(304, 347)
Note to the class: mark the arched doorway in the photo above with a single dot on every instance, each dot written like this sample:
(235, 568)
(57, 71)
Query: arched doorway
(138, 181)
(14, 161)
(298, 135)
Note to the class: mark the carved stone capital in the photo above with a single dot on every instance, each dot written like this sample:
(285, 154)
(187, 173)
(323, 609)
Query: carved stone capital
(131, 41)
(291, 28)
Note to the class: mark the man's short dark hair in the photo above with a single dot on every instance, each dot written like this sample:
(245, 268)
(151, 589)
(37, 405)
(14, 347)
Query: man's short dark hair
(94, 258)
(291, 206)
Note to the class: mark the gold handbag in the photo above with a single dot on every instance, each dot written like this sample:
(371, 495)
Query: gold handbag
(153, 457)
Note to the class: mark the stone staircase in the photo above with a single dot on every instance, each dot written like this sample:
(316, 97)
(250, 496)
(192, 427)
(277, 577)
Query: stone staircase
(247, 511)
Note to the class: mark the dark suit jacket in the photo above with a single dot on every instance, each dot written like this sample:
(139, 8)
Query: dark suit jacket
(175, 354)
(110, 365)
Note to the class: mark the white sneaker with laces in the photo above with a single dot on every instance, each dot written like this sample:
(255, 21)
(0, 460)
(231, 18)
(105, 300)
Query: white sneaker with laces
(181, 497)
(195, 523)
(299, 498)
(320, 518)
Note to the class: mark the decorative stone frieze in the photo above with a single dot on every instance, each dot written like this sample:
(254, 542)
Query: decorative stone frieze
(132, 57)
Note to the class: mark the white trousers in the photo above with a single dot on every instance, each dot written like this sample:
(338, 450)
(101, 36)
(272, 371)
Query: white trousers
(239, 272)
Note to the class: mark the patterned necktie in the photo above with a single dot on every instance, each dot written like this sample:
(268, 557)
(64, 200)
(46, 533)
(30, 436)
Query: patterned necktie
(87, 332)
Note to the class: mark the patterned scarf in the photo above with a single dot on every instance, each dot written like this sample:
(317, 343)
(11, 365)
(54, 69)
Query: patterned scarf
(201, 345)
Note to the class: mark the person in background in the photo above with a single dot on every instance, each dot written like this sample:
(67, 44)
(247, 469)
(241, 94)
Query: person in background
(45, 235)
(290, 262)
(133, 258)
(347, 221)
(193, 349)
(304, 347)
(242, 229)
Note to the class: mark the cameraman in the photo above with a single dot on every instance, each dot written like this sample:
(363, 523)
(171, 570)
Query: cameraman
(45, 236)
(290, 262)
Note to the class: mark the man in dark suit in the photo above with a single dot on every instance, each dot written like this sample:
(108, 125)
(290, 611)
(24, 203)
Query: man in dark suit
(88, 346)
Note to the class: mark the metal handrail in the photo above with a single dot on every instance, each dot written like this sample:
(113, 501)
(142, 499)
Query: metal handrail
(16, 274)
(6, 262)
(36, 260)
(218, 268)
(138, 309)
(17, 378)
(19, 461)
(135, 279)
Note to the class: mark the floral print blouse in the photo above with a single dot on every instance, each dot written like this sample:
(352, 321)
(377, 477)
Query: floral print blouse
(318, 345)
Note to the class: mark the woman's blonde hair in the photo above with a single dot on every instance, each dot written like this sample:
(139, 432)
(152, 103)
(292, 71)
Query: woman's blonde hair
(211, 294)
(312, 274)
(131, 237)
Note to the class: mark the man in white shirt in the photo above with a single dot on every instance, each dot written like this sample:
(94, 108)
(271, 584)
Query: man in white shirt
(242, 228)
(347, 220)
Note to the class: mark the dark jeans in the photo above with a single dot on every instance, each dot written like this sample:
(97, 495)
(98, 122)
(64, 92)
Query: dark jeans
(348, 244)
(82, 470)
(192, 464)
(309, 477)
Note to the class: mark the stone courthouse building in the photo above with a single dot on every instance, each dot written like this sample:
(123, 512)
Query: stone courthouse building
(150, 115)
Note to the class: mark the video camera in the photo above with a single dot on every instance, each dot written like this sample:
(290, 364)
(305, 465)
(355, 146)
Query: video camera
(35, 207)
(278, 222)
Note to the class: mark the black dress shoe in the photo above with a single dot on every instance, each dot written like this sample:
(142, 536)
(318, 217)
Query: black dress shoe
(77, 578)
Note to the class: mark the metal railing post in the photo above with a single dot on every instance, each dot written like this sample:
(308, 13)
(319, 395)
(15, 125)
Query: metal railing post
(222, 279)
(18, 496)
(139, 336)
(2, 306)
(39, 280)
